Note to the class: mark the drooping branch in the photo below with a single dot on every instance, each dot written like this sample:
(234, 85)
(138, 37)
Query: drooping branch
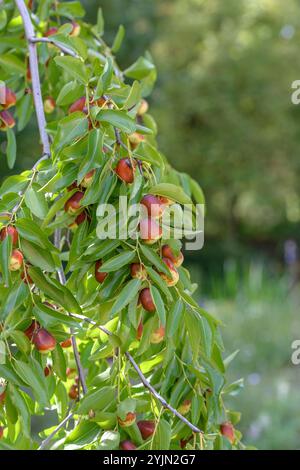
(35, 78)
(144, 381)
(47, 441)
(62, 280)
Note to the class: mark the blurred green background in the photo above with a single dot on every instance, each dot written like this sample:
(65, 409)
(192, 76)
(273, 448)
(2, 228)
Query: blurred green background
(223, 106)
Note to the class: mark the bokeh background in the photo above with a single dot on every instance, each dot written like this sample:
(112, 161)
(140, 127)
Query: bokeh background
(223, 105)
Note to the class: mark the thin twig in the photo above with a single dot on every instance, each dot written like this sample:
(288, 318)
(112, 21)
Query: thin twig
(64, 49)
(144, 381)
(47, 441)
(62, 280)
(35, 78)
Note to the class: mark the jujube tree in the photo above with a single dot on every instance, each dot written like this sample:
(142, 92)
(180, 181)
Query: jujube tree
(103, 330)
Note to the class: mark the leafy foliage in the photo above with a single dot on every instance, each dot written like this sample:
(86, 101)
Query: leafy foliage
(61, 279)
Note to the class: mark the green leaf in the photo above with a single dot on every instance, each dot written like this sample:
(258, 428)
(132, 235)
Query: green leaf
(14, 298)
(32, 232)
(36, 202)
(21, 341)
(134, 96)
(140, 69)
(49, 317)
(69, 93)
(59, 362)
(171, 191)
(118, 119)
(74, 67)
(126, 406)
(94, 156)
(8, 373)
(3, 19)
(155, 277)
(158, 302)
(38, 256)
(200, 333)
(162, 436)
(56, 207)
(2, 352)
(17, 398)
(155, 260)
(97, 400)
(5, 253)
(70, 9)
(110, 440)
(118, 39)
(70, 128)
(24, 111)
(29, 375)
(118, 261)
(174, 318)
(11, 149)
(126, 295)
(12, 64)
(100, 22)
(85, 433)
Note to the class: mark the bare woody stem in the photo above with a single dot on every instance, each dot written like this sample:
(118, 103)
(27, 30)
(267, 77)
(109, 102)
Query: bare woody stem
(47, 441)
(64, 49)
(35, 78)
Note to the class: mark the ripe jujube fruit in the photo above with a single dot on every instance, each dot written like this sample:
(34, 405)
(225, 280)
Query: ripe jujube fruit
(100, 277)
(2, 397)
(11, 232)
(73, 392)
(78, 105)
(138, 271)
(158, 335)
(10, 98)
(78, 221)
(227, 430)
(88, 179)
(150, 231)
(30, 331)
(128, 421)
(167, 252)
(145, 298)
(6, 120)
(139, 331)
(44, 341)
(147, 428)
(125, 170)
(73, 204)
(174, 273)
(47, 371)
(153, 205)
(127, 445)
(16, 260)
(49, 105)
(67, 343)
(51, 31)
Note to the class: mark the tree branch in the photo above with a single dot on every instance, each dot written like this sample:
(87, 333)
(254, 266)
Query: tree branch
(64, 49)
(144, 381)
(62, 280)
(47, 441)
(35, 78)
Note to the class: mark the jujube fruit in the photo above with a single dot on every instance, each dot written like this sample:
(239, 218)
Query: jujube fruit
(11, 232)
(100, 277)
(174, 273)
(73, 204)
(153, 205)
(127, 445)
(227, 430)
(150, 231)
(44, 341)
(138, 271)
(147, 428)
(125, 170)
(145, 298)
(128, 421)
(167, 252)
(16, 260)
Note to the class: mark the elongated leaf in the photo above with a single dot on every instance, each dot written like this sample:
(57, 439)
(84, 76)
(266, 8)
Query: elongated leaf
(36, 202)
(118, 261)
(118, 119)
(155, 260)
(59, 362)
(118, 39)
(74, 67)
(11, 149)
(158, 302)
(96, 400)
(5, 253)
(126, 295)
(38, 256)
(171, 191)
(32, 379)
